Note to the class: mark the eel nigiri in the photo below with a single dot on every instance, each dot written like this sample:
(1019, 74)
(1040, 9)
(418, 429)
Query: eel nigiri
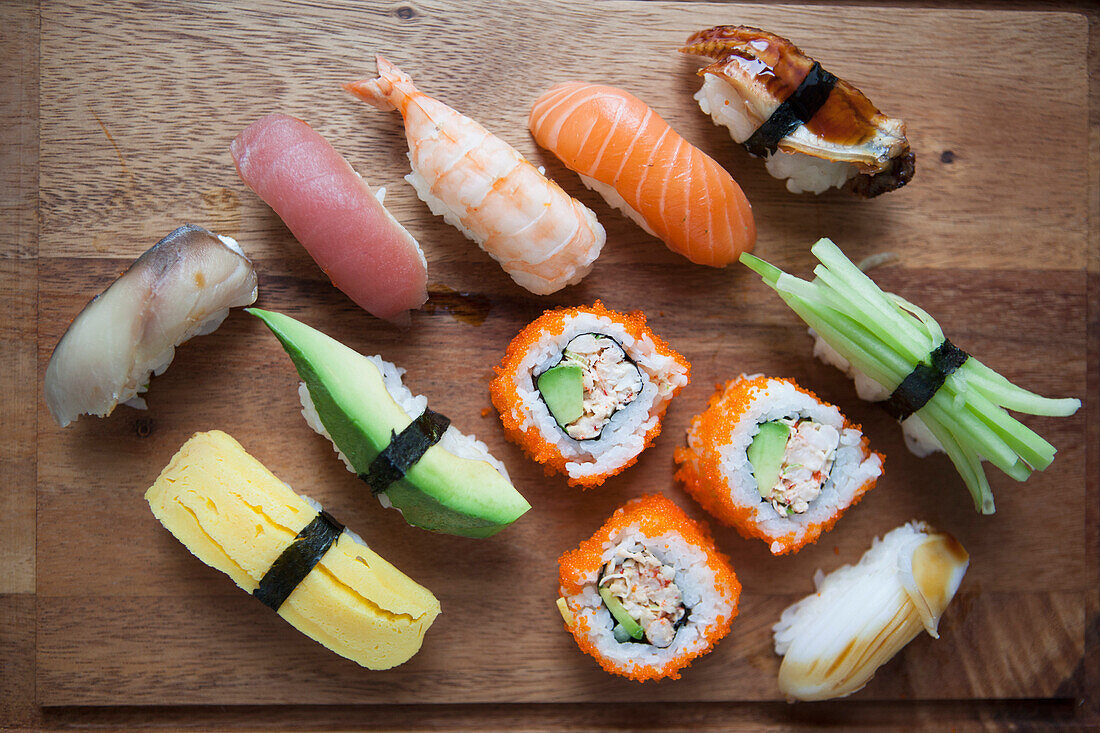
(183, 286)
(641, 166)
(541, 236)
(334, 214)
(813, 129)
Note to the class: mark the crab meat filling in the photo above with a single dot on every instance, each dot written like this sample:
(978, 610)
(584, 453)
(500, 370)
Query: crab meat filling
(611, 382)
(807, 461)
(645, 588)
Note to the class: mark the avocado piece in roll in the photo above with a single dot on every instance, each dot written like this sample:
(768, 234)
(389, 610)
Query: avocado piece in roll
(410, 456)
(232, 513)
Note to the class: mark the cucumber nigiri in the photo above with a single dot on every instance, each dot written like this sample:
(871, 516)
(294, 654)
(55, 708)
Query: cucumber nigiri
(898, 355)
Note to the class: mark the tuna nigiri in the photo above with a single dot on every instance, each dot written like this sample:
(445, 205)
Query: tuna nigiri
(183, 286)
(331, 210)
(541, 236)
(627, 153)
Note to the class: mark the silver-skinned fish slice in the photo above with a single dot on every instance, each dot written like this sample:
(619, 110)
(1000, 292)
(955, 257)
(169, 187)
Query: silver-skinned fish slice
(181, 287)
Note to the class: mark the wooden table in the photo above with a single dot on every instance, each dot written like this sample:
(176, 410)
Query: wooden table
(77, 176)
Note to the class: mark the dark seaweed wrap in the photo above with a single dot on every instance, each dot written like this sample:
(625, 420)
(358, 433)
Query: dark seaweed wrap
(297, 560)
(797, 109)
(924, 381)
(404, 450)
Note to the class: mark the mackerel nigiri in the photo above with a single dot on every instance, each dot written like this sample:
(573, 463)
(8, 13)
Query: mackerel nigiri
(182, 286)
(541, 236)
(333, 213)
(627, 153)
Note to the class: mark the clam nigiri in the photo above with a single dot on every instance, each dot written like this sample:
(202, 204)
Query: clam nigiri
(332, 211)
(814, 130)
(541, 236)
(641, 166)
(181, 287)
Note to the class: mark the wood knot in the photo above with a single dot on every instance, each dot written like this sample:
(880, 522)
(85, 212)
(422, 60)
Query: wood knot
(143, 426)
(947, 157)
(405, 13)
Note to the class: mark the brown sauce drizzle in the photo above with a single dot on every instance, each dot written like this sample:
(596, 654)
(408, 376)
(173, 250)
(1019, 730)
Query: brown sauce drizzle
(846, 118)
(469, 308)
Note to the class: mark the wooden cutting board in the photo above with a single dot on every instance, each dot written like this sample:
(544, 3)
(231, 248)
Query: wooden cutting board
(138, 105)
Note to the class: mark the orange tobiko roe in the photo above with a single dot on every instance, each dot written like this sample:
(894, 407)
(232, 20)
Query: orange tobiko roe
(701, 473)
(655, 515)
(506, 398)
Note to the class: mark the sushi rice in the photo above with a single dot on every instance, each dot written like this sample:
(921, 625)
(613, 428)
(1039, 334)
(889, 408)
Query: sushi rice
(616, 201)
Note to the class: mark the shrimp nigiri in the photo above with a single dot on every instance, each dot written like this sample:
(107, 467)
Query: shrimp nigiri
(641, 166)
(541, 236)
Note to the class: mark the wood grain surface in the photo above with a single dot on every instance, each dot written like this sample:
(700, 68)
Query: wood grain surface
(129, 138)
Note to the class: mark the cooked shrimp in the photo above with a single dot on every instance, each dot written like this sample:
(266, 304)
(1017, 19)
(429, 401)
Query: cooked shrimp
(541, 236)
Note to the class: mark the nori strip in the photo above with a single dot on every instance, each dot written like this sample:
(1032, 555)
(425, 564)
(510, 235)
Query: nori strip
(924, 381)
(683, 619)
(404, 450)
(297, 560)
(795, 110)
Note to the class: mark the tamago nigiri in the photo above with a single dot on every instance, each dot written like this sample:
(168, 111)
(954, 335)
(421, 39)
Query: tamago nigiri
(641, 166)
(541, 236)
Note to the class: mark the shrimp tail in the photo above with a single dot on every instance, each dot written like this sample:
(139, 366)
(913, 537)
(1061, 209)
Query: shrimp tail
(387, 91)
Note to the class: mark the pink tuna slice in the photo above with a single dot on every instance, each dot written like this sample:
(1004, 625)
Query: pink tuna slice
(331, 210)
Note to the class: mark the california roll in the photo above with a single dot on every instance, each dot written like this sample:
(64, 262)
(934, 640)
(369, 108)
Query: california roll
(583, 390)
(775, 462)
(649, 592)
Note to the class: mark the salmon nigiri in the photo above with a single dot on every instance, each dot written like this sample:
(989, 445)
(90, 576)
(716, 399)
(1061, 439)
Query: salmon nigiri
(541, 236)
(641, 166)
(332, 211)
